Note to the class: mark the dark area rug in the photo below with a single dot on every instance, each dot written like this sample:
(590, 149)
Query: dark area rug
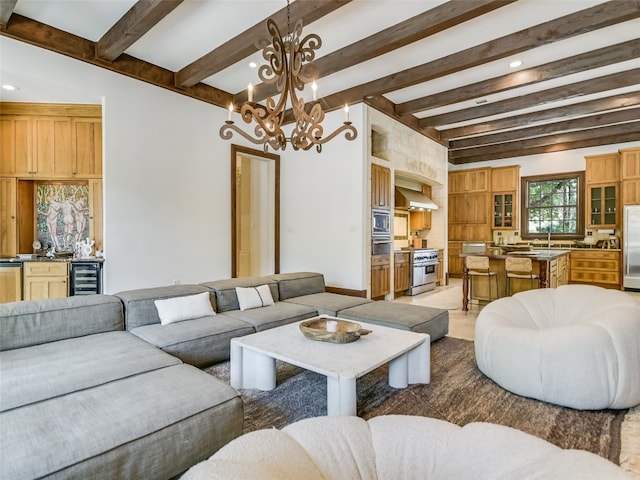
(458, 393)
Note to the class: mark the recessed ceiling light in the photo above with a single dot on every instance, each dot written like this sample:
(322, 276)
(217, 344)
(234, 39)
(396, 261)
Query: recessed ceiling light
(253, 64)
(10, 87)
(515, 64)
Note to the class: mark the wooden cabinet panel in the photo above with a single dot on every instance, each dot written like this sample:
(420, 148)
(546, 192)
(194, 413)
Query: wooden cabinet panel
(504, 210)
(380, 186)
(454, 259)
(505, 179)
(602, 168)
(45, 280)
(457, 182)
(602, 205)
(630, 162)
(16, 142)
(10, 284)
(598, 267)
(630, 192)
(87, 145)
(380, 276)
(52, 150)
(401, 271)
(440, 268)
(95, 212)
(473, 180)
(8, 217)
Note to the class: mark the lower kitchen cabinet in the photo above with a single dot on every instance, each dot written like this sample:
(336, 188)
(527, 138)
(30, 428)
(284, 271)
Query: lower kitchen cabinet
(595, 267)
(46, 280)
(440, 268)
(454, 259)
(401, 272)
(380, 275)
(10, 283)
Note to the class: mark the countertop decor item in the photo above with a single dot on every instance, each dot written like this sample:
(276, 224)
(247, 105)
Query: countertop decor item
(346, 332)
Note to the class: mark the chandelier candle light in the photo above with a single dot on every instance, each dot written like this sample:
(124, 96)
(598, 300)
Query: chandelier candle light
(289, 68)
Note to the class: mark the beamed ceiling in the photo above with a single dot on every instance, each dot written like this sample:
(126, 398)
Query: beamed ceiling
(439, 67)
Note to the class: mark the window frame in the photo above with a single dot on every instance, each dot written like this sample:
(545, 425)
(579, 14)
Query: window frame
(524, 202)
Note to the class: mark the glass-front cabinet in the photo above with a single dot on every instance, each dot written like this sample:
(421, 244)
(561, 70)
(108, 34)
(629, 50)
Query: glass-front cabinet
(603, 206)
(504, 210)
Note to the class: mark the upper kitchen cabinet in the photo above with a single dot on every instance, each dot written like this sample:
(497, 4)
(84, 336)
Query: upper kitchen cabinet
(469, 205)
(505, 179)
(473, 180)
(421, 219)
(630, 166)
(602, 168)
(380, 187)
(51, 141)
(504, 187)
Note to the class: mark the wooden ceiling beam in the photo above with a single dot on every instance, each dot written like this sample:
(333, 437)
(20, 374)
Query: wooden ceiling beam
(50, 38)
(567, 66)
(244, 45)
(583, 21)
(585, 87)
(140, 18)
(624, 132)
(592, 121)
(421, 26)
(585, 108)
(6, 9)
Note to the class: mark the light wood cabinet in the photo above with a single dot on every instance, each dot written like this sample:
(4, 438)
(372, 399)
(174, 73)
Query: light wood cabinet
(10, 284)
(440, 268)
(421, 219)
(472, 180)
(380, 186)
(454, 260)
(504, 210)
(380, 276)
(45, 280)
(401, 271)
(595, 267)
(630, 173)
(8, 217)
(87, 147)
(505, 179)
(602, 204)
(469, 217)
(16, 145)
(52, 155)
(602, 168)
(95, 213)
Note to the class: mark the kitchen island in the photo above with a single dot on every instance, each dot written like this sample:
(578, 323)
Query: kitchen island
(551, 265)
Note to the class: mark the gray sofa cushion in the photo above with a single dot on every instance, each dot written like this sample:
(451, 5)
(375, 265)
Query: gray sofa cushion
(200, 342)
(58, 368)
(117, 430)
(281, 313)
(139, 308)
(327, 303)
(433, 321)
(23, 324)
(225, 290)
(299, 283)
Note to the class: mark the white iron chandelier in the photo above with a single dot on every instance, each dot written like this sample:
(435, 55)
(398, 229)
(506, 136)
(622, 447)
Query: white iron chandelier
(289, 68)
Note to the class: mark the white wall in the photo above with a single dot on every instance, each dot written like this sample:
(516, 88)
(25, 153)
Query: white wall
(166, 180)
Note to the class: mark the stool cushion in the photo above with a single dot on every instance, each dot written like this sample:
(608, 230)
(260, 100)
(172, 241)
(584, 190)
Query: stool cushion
(391, 447)
(576, 346)
(416, 318)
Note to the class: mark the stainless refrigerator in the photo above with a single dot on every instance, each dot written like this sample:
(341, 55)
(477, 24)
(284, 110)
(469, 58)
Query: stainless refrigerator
(631, 247)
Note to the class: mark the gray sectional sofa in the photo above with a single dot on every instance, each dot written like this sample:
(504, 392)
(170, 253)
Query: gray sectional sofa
(99, 387)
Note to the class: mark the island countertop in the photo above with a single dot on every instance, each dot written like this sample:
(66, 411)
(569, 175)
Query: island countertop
(544, 254)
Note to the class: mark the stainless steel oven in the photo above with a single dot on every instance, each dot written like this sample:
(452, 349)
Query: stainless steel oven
(380, 223)
(424, 275)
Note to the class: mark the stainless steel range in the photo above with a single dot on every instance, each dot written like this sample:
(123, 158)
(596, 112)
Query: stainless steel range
(424, 262)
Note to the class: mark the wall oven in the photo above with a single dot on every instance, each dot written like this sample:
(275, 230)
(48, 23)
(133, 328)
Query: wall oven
(380, 223)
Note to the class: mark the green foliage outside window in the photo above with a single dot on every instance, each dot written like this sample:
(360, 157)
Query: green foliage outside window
(553, 206)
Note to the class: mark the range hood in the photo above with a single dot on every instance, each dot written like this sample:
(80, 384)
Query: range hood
(412, 199)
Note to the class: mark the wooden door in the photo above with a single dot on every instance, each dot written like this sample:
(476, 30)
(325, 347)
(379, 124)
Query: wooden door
(380, 276)
(630, 163)
(401, 272)
(52, 151)
(16, 142)
(631, 192)
(457, 182)
(95, 213)
(505, 179)
(10, 284)
(380, 186)
(8, 217)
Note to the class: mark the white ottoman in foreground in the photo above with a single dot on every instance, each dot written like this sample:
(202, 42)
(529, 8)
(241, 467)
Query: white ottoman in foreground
(398, 447)
(576, 346)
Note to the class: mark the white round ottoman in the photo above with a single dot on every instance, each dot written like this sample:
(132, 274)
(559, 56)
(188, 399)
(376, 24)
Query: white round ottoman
(397, 447)
(576, 346)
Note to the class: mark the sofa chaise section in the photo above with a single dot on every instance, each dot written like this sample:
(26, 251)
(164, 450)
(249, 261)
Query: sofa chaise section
(200, 341)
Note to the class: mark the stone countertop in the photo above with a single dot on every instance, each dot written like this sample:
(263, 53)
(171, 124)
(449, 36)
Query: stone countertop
(15, 260)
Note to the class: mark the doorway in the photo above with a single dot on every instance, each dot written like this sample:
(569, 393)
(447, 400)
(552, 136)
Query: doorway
(255, 212)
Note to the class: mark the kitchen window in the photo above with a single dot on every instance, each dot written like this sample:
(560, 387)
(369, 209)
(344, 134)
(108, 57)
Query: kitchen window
(553, 203)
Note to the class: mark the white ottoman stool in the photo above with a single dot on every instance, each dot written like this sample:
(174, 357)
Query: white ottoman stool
(576, 346)
(396, 447)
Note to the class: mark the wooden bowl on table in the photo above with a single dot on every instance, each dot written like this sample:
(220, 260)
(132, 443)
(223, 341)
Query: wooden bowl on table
(346, 332)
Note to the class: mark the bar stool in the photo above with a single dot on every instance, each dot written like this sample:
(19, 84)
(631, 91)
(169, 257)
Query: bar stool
(519, 267)
(478, 266)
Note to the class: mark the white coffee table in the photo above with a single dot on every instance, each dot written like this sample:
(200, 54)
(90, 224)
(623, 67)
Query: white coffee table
(253, 360)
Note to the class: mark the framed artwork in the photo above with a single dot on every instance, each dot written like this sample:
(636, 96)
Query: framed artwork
(62, 214)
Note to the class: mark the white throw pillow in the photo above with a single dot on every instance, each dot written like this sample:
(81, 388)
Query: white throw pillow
(254, 297)
(179, 309)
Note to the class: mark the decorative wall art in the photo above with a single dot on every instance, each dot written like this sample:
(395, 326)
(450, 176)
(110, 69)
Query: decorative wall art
(62, 214)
